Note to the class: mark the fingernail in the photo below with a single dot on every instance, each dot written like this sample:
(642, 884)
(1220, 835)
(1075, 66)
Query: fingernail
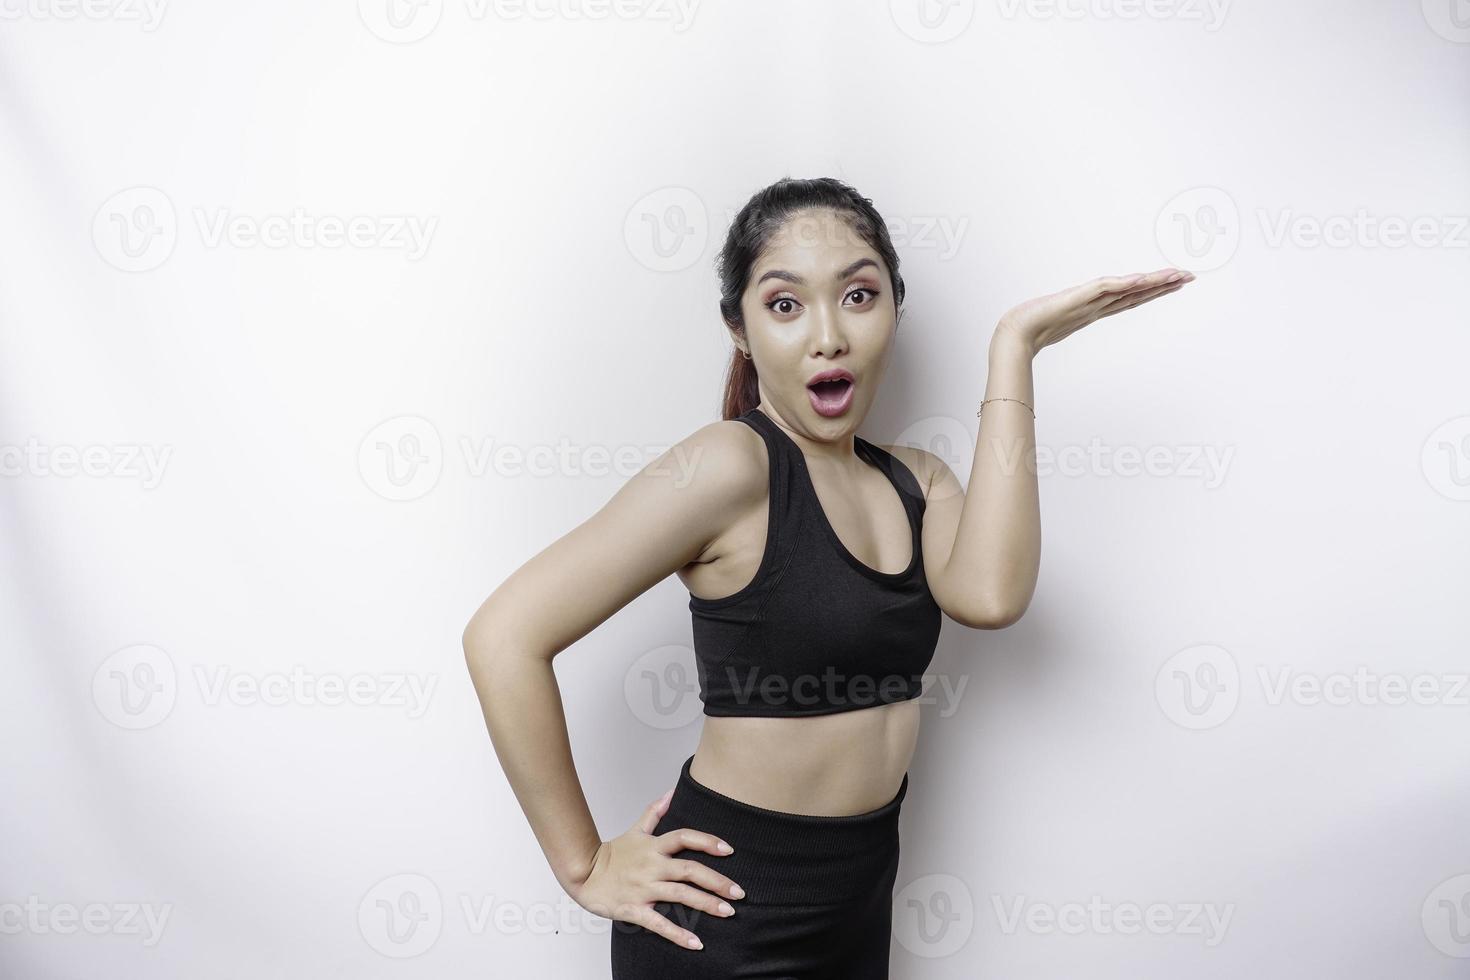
(737, 891)
(1175, 277)
(726, 909)
(724, 848)
(694, 943)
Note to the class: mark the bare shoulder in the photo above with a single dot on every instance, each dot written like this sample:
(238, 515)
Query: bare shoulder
(719, 471)
(726, 458)
(665, 516)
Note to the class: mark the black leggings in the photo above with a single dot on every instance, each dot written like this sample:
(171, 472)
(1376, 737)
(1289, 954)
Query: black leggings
(818, 899)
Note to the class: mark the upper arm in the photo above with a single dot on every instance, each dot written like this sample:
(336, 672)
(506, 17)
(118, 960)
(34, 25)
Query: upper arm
(657, 522)
(944, 498)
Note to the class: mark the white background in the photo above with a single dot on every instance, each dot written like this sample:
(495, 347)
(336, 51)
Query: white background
(327, 506)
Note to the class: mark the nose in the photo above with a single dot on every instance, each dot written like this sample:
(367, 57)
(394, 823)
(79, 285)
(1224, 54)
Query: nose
(828, 339)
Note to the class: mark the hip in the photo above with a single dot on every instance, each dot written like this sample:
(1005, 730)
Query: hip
(818, 893)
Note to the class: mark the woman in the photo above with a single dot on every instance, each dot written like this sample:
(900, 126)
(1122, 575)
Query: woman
(817, 565)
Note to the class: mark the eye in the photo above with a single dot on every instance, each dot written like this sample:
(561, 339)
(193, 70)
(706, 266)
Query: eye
(873, 293)
(780, 299)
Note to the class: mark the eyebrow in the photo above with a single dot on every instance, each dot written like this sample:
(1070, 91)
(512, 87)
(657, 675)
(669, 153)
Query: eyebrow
(793, 277)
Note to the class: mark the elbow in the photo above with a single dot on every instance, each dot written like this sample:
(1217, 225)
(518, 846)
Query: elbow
(1006, 616)
(991, 616)
(475, 640)
(490, 642)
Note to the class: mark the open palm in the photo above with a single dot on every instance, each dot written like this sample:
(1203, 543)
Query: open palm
(1047, 319)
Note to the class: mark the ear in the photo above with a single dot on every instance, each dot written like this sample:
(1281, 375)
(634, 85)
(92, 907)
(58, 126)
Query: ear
(738, 339)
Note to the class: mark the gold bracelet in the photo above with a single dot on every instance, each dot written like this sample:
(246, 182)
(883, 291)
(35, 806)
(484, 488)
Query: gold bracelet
(1017, 400)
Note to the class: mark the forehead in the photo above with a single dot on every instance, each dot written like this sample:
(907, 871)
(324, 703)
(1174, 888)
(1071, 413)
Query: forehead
(815, 238)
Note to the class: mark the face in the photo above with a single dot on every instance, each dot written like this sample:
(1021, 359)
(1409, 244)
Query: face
(820, 300)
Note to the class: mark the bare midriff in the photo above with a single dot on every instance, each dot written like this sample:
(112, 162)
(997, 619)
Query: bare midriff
(829, 765)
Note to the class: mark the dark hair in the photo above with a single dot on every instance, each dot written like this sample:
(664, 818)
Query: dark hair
(766, 211)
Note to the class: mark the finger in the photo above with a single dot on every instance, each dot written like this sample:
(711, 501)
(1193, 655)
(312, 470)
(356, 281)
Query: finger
(695, 898)
(1135, 299)
(1147, 284)
(653, 922)
(1108, 287)
(653, 813)
(1128, 302)
(683, 869)
(683, 838)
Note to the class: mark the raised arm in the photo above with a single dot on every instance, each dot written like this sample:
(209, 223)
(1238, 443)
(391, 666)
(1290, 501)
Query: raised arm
(982, 545)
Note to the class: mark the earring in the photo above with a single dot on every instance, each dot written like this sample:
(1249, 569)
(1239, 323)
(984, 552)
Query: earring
(745, 352)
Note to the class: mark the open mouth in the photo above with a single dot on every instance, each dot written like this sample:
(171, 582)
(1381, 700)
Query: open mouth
(831, 397)
(831, 390)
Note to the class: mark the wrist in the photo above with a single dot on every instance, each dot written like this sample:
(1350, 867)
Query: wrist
(578, 869)
(1008, 342)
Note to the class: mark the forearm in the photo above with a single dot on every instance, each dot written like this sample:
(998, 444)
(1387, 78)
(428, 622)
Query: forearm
(997, 549)
(523, 712)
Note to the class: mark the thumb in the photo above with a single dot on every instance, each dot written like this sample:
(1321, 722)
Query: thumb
(654, 812)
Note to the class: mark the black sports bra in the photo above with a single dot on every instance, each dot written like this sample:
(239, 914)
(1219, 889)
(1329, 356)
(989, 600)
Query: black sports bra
(816, 631)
